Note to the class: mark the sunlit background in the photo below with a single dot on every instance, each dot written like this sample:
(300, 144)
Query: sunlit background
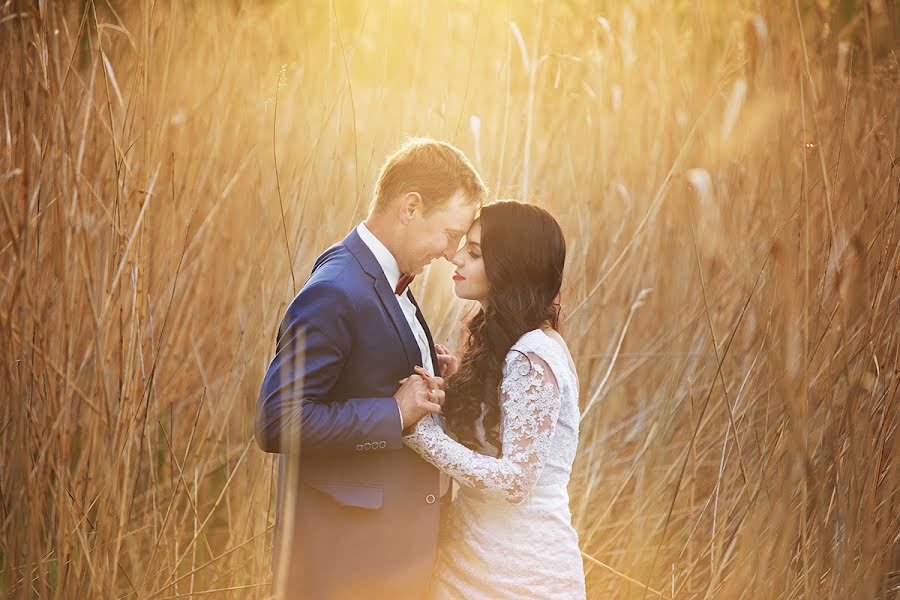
(726, 175)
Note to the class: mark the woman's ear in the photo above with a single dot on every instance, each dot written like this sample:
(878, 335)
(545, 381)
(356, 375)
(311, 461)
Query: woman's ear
(409, 205)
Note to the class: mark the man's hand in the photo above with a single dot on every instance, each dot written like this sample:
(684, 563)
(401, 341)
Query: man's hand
(437, 385)
(447, 363)
(416, 398)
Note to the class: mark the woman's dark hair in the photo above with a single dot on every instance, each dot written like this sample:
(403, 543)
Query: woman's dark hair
(524, 253)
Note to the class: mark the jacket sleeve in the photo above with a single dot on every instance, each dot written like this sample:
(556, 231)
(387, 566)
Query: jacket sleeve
(294, 409)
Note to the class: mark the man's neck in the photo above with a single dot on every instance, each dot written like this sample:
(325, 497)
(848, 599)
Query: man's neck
(382, 231)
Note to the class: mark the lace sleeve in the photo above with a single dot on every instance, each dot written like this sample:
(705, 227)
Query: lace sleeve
(529, 401)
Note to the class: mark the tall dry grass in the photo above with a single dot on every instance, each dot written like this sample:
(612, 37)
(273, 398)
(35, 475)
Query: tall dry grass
(726, 174)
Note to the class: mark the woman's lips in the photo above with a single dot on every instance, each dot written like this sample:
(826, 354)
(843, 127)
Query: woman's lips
(457, 277)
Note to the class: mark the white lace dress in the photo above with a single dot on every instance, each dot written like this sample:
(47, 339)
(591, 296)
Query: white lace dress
(508, 533)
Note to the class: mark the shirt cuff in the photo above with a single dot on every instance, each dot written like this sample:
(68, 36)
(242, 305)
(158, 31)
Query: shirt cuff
(401, 418)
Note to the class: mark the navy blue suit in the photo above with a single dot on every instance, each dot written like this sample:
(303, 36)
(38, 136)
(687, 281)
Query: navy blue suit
(364, 508)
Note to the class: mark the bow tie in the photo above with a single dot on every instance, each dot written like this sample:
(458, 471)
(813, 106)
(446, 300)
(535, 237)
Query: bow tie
(404, 282)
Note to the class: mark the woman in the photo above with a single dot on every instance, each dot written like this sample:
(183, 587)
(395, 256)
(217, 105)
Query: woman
(512, 408)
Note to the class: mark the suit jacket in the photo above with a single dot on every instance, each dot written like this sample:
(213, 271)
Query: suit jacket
(357, 511)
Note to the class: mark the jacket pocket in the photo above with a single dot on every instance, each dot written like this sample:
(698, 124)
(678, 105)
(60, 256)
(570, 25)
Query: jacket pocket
(350, 494)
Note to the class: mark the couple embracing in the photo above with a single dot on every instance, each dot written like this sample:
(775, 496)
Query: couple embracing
(373, 419)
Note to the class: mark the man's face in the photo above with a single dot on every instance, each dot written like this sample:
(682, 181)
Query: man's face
(437, 233)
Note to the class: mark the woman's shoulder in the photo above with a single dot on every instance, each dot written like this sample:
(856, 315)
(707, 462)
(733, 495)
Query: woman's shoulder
(529, 340)
(542, 344)
(539, 339)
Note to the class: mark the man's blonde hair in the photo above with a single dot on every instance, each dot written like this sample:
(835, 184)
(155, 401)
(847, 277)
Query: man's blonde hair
(436, 170)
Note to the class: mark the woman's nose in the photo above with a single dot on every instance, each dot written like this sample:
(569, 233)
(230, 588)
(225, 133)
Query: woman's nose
(456, 259)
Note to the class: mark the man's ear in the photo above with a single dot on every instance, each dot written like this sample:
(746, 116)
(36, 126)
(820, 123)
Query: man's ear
(410, 203)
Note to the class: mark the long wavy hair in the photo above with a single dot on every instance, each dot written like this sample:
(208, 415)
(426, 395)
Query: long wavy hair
(524, 252)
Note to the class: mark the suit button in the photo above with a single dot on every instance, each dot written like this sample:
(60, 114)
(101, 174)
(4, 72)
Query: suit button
(382, 444)
(359, 447)
(430, 498)
(367, 446)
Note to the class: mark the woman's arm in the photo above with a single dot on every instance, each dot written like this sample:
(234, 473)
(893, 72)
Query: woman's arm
(530, 400)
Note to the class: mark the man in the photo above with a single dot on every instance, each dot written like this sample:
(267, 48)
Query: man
(358, 512)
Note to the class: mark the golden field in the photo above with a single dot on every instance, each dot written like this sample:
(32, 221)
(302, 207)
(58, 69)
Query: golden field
(726, 174)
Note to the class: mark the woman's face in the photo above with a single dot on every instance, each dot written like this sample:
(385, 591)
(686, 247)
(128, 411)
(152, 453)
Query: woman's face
(470, 280)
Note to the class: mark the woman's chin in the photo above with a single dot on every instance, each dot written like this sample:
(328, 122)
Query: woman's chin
(459, 293)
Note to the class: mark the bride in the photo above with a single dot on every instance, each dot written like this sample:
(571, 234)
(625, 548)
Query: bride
(512, 411)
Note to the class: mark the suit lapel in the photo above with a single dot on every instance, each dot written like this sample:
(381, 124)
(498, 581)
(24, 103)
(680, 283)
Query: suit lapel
(386, 295)
(389, 301)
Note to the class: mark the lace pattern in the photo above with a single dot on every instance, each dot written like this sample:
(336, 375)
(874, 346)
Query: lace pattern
(508, 533)
(529, 406)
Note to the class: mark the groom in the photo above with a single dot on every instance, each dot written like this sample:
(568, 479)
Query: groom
(357, 511)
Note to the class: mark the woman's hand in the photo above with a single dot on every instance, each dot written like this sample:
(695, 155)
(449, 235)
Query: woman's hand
(435, 385)
(447, 363)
